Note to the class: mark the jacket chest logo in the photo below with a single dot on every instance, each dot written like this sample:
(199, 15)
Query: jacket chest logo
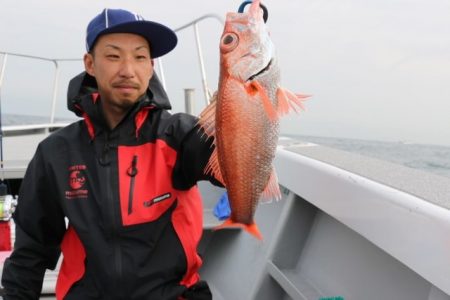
(77, 180)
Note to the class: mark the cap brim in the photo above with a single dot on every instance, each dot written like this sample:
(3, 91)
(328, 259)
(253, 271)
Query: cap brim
(160, 38)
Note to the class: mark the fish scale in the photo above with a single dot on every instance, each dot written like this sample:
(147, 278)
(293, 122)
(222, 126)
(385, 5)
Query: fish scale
(239, 155)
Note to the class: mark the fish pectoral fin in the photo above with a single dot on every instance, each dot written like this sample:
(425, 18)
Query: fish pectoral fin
(288, 101)
(207, 118)
(252, 228)
(255, 88)
(272, 190)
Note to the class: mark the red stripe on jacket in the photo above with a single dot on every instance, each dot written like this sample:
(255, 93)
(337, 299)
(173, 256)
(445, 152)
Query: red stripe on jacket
(187, 220)
(72, 268)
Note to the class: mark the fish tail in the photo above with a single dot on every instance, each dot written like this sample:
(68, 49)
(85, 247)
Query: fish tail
(252, 228)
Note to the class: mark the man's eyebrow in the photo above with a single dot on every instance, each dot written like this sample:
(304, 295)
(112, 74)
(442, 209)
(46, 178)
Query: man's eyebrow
(142, 47)
(113, 46)
(118, 48)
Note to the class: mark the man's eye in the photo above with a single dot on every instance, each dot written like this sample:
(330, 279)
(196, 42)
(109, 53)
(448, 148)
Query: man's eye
(112, 56)
(141, 57)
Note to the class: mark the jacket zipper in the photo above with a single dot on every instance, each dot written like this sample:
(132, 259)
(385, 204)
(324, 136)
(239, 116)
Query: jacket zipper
(132, 172)
(114, 214)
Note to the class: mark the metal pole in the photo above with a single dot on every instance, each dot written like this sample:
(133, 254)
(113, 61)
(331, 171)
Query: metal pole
(55, 89)
(3, 70)
(202, 66)
(189, 101)
(213, 16)
(161, 72)
(1, 117)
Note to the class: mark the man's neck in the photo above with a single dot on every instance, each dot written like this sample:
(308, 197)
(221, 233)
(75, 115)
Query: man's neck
(113, 115)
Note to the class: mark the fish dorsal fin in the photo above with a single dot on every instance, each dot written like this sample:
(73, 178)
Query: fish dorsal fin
(207, 119)
(213, 167)
(272, 190)
(207, 122)
(288, 101)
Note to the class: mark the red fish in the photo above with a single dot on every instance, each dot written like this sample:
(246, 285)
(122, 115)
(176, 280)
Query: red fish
(244, 116)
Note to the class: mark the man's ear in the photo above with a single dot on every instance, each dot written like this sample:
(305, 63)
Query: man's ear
(89, 64)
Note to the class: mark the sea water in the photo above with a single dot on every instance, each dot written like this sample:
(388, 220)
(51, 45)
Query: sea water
(430, 158)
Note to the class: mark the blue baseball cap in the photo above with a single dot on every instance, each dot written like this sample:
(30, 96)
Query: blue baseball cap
(160, 38)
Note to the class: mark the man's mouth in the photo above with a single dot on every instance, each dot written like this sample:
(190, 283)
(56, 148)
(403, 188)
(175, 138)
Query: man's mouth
(264, 70)
(125, 86)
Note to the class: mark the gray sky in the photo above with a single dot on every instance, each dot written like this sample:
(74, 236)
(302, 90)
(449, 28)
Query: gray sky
(377, 70)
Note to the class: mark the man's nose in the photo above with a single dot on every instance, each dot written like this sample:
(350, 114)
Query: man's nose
(127, 69)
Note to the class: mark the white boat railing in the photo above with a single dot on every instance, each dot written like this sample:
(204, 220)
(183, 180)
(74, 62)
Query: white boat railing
(194, 24)
(56, 62)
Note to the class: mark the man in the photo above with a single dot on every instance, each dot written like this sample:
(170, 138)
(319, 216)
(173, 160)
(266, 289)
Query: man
(124, 176)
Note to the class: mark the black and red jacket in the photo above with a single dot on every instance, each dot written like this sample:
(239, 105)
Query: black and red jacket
(130, 195)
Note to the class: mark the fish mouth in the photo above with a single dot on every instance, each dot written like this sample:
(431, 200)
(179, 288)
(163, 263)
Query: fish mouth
(265, 69)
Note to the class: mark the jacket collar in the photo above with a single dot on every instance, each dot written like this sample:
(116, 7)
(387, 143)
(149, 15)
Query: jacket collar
(83, 88)
(82, 99)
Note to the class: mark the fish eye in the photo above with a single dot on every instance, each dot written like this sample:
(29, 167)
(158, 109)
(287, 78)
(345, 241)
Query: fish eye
(228, 39)
(229, 42)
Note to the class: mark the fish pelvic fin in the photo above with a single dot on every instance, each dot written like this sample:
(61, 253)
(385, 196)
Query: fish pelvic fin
(272, 190)
(288, 101)
(207, 123)
(252, 228)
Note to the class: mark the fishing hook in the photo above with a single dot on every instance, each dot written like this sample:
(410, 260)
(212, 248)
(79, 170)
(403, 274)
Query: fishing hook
(265, 11)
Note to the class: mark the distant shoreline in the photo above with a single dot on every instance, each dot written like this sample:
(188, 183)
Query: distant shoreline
(16, 119)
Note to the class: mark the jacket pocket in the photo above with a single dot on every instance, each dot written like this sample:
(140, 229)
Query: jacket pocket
(145, 182)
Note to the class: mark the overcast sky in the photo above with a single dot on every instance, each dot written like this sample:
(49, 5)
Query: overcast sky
(377, 70)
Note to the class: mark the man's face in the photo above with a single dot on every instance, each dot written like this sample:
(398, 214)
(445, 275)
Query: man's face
(122, 67)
